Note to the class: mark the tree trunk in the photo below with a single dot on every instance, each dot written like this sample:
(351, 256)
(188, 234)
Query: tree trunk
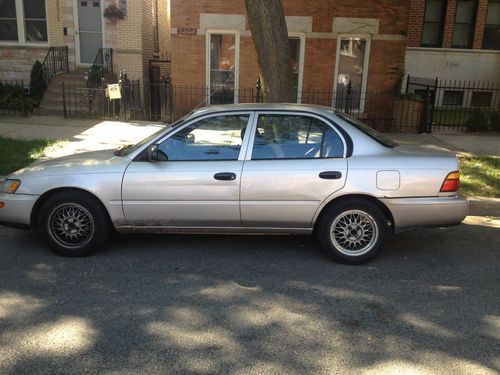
(270, 36)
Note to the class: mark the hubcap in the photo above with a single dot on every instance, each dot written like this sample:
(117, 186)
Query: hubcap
(71, 225)
(354, 232)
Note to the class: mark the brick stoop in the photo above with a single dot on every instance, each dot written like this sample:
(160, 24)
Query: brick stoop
(52, 102)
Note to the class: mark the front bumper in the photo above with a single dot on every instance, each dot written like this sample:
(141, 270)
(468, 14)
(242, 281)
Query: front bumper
(424, 212)
(17, 209)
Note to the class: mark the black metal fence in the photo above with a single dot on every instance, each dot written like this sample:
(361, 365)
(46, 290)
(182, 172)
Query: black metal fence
(451, 104)
(14, 98)
(423, 108)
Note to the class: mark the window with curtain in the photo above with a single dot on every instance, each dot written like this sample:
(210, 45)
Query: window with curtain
(35, 21)
(432, 31)
(463, 28)
(491, 37)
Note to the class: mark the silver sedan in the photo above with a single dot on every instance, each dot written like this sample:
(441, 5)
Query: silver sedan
(278, 168)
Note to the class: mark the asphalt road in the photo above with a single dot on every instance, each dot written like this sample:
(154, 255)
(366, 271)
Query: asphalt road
(253, 305)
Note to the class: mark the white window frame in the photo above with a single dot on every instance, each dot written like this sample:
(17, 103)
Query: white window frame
(236, 34)
(302, 38)
(365, 67)
(21, 31)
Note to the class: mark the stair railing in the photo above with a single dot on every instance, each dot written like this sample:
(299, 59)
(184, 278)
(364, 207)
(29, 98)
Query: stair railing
(103, 63)
(55, 61)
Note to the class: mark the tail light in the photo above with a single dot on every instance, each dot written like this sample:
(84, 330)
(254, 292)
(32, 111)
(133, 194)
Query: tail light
(451, 182)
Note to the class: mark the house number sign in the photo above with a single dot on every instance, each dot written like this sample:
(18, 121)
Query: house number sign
(186, 31)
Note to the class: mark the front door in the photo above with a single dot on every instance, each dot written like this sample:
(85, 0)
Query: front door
(89, 29)
(197, 183)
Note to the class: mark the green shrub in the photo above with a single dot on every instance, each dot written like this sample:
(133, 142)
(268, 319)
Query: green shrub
(13, 99)
(495, 121)
(37, 83)
(477, 122)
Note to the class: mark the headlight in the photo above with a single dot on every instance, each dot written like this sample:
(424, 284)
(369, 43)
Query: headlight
(10, 186)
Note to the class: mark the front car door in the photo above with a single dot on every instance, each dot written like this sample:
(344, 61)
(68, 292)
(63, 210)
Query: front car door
(296, 161)
(198, 183)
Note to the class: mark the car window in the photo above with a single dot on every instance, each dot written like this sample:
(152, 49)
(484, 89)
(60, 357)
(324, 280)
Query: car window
(213, 138)
(295, 137)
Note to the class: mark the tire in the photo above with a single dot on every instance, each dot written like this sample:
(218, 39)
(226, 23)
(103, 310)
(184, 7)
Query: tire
(73, 224)
(353, 231)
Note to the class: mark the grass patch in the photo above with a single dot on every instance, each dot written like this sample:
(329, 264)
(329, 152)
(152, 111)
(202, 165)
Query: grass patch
(16, 154)
(480, 176)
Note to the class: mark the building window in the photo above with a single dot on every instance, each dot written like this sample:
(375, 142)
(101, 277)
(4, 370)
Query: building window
(463, 29)
(222, 68)
(23, 21)
(35, 21)
(453, 98)
(8, 22)
(352, 63)
(432, 31)
(481, 99)
(491, 38)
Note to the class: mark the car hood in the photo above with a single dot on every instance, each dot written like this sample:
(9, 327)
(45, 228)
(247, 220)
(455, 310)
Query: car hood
(104, 161)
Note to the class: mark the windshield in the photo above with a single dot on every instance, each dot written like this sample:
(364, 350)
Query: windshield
(369, 131)
(128, 149)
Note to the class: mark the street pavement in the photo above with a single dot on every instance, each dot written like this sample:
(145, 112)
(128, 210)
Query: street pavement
(193, 304)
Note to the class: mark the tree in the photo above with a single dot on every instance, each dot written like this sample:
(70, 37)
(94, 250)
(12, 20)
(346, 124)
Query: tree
(270, 36)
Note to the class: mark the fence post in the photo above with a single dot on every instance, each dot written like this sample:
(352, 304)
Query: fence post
(64, 101)
(433, 104)
(258, 88)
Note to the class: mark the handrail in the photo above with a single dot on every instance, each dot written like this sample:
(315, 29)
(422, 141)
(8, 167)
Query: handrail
(103, 63)
(55, 61)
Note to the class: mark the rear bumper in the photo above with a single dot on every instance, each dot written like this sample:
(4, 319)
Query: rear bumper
(17, 209)
(424, 212)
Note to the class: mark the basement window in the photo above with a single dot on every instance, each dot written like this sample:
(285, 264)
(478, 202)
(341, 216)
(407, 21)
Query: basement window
(453, 98)
(481, 99)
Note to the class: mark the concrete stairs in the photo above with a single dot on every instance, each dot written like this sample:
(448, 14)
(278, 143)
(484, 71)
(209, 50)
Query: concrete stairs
(75, 91)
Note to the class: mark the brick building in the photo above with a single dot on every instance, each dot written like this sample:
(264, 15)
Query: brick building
(454, 40)
(333, 43)
(29, 27)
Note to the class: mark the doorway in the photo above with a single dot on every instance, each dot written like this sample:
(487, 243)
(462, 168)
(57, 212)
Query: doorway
(89, 30)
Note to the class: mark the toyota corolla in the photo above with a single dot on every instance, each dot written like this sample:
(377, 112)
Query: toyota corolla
(277, 168)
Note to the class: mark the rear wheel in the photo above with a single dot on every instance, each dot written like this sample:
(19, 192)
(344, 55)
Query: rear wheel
(73, 224)
(353, 231)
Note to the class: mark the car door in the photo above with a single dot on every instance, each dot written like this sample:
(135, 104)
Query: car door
(294, 162)
(197, 183)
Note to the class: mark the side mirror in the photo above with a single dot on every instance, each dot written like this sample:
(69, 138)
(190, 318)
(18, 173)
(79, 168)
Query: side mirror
(153, 152)
(190, 138)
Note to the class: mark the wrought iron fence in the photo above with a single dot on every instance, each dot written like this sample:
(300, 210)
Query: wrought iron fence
(14, 98)
(163, 101)
(450, 104)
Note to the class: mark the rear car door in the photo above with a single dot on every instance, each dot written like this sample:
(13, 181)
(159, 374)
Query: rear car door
(197, 184)
(293, 163)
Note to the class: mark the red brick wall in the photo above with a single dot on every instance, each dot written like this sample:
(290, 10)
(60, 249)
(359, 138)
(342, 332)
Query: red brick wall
(386, 56)
(482, 9)
(415, 22)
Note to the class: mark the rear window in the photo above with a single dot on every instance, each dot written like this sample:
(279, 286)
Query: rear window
(369, 131)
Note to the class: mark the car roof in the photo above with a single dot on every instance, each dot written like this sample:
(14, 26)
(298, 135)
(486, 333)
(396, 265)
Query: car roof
(264, 106)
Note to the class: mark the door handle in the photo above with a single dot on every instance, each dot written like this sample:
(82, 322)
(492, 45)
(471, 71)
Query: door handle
(330, 175)
(225, 176)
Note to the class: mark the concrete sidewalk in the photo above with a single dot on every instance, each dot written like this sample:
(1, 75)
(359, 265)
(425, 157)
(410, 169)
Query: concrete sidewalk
(77, 135)
(94, 134)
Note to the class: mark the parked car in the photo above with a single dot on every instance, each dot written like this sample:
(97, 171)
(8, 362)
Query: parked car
(241, 169)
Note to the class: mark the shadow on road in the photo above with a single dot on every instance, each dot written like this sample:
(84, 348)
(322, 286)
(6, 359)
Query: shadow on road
(252, 305)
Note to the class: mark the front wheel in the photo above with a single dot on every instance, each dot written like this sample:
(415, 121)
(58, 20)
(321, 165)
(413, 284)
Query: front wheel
(73, 224)
(353, 231)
